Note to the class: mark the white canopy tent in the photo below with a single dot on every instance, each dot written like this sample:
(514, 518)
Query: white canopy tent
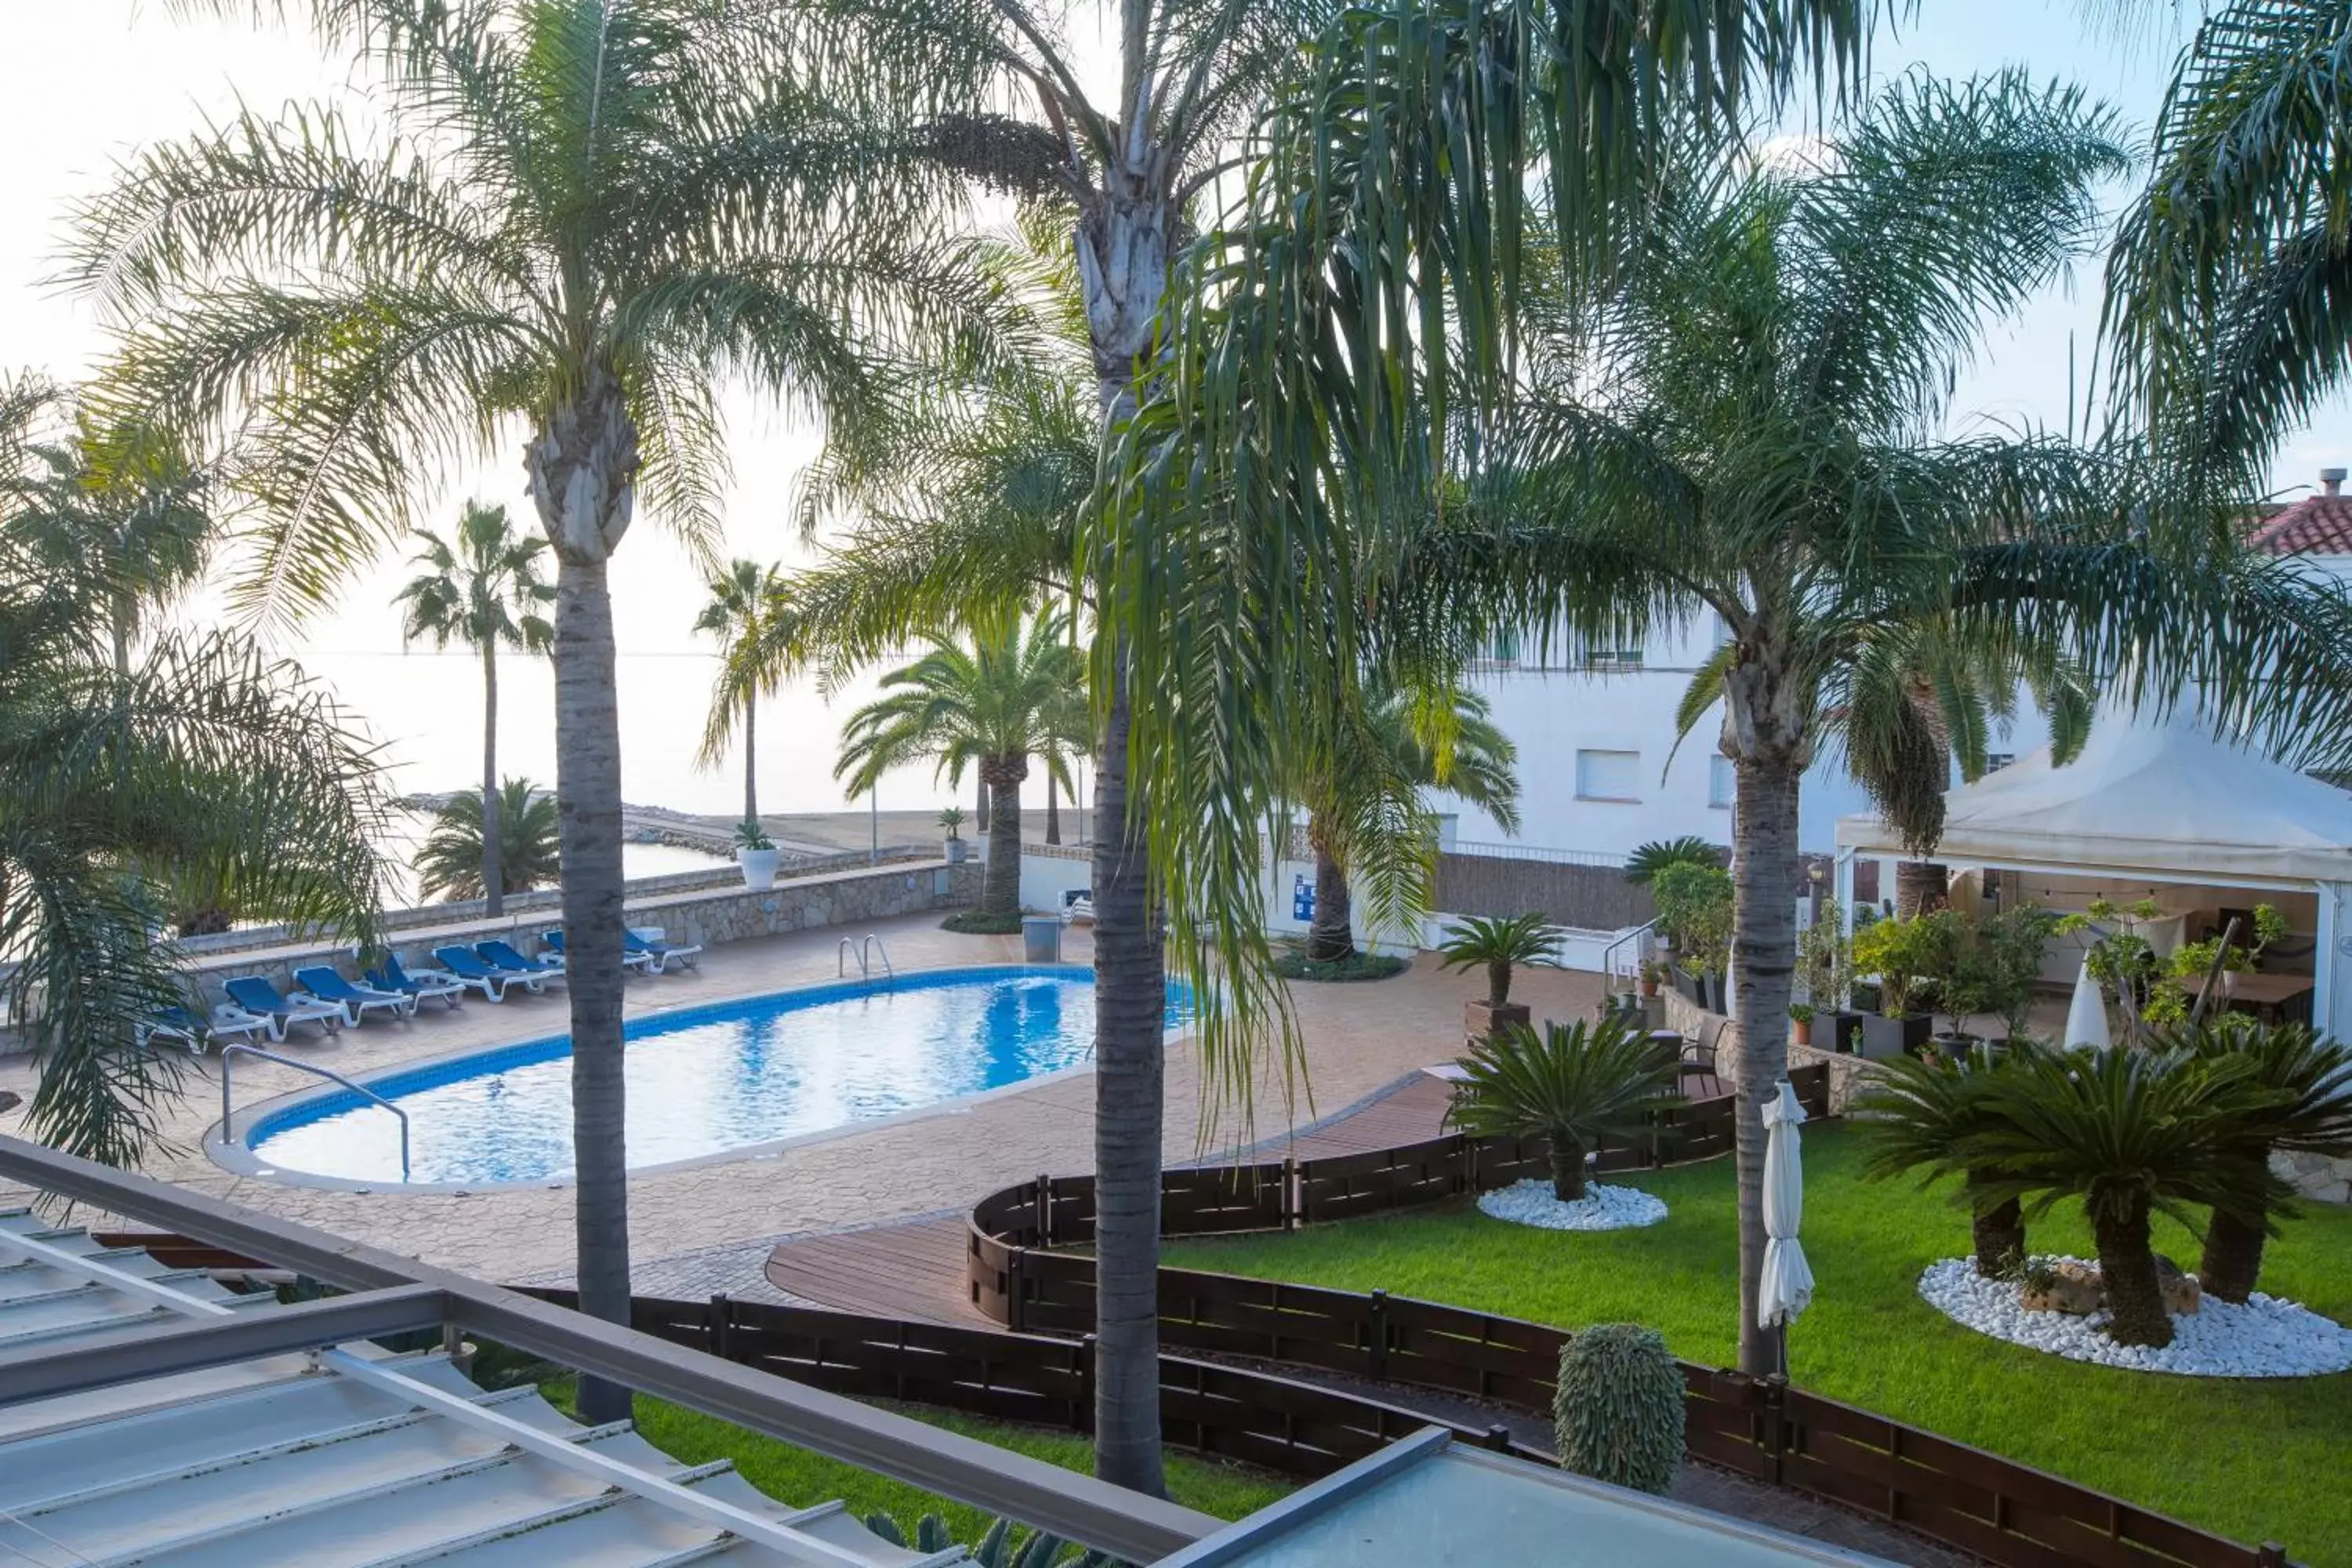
(2157, 800)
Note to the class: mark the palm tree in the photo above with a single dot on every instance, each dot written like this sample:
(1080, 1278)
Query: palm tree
(127, 792)
(1500, 946)
(576, 217)
(1920, 1117)
(744, 599)
(2230, 286)
(2310, 1112)
(1126, 168)
(1731, 415)
(1459, 750)
(1574, 1084)
(1018, 691)
(1642, 866)
(449, 862)
(2132, 1133)
(484, 591)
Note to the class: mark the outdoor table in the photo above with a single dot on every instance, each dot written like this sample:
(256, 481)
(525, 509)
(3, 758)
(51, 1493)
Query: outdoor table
(2268, 996)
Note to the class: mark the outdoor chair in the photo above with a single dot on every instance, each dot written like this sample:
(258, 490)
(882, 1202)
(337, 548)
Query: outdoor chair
(660, 952)
(255, 995)
(179, 1024)
(505, 955)
(463, 963)
(553, 941)
(321, 983)
(389, 976)
(1699, 1066)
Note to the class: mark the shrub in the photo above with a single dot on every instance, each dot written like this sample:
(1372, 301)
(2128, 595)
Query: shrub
(1500, 946)
(1648, 859)
(1619, 1413)
(1694, 906)
(1573, 1084)
(1901, 954)
(1824, 961)
(999, 1547)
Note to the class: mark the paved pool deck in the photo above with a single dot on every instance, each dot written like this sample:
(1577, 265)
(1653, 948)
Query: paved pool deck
(1358, 1039)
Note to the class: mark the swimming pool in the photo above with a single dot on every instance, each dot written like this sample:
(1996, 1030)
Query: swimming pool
(702, 1080)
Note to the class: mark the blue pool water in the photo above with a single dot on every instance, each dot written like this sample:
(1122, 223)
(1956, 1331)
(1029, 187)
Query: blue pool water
(706, 1080)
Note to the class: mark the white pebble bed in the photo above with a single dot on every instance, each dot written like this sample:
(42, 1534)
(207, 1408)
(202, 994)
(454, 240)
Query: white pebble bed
(2264, 1338)
(1530, 1202)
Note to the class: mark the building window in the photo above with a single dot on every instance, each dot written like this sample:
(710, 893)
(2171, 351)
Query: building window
(1722, 781)
(1996, 760)
(1612, 660)
(1503, 653)
(1608, 775)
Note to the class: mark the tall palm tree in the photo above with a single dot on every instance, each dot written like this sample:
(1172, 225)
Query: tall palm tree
(449, 861)
(484, 591)
(744, 599)
(1018, 691)
(1458, 750)
(2230, 286)
(126, 792)
(562, 220)
(1124, 169)
(1736, 413)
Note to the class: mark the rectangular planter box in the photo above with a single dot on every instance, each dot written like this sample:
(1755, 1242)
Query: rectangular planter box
(1839, 1032)
(1884, 1037)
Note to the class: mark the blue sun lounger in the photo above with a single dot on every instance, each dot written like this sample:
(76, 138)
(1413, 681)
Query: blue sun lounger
(504, 955)
(321, 983)
(660, 952)
(389, 976)
(553, 941)
(465, 964)
(255, 994)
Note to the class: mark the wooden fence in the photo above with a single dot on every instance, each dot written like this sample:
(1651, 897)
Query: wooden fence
(2008, 1513)
(1590, 898)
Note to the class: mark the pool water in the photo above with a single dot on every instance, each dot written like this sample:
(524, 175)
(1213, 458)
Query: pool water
(706, 1080)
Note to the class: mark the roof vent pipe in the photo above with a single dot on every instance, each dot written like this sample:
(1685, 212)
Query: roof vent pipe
(2331, 482)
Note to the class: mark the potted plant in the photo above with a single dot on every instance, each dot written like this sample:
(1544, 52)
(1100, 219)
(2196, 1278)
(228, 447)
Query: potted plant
(2013, 940)
(1953, 960)
(1897, 952)
(755, 853)
(1694, 903)
(1825, 964)
(1499, 947)
(1652, 973)
(957, 849)
(2125, 963)
(1800, 1023)
(2194, 961)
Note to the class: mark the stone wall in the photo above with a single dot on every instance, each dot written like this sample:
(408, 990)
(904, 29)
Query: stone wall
(706, 919)
(1687, 1018)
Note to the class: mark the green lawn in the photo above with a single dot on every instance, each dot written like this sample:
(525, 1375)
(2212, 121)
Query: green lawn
(2255, 1460)
(802, 1479)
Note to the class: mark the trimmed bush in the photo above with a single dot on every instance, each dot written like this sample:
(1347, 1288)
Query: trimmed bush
(1001, 1547)
(1619, 1414)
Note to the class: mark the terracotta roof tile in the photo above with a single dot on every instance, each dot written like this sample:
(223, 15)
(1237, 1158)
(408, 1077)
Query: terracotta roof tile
(2315, 525)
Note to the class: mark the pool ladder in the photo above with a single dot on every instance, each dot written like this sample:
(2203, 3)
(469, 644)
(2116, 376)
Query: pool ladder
(238, 1048)
(867, 947)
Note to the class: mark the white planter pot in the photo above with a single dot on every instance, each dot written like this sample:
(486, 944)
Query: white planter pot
(759, 868)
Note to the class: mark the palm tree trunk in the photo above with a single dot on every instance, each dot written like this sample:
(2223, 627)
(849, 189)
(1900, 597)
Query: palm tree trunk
(2136, 1314)
(1920, 886)
(980, 816)
(1121, 250)
(494, 865)
(1764, 951)
(1000, 892)
(750, 769)
(2232, 1262)
(1130, 986)
(1053, 807)
(1567, 1168)
(1332, 937)
(1998, 1233)
(581, 466)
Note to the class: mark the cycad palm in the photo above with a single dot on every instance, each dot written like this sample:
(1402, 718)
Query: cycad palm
(747, 607)
(1574, 1084)
(484, 591)
(1017, 691)
(450, 861)
(1917, 1117)
(1459, 751)
(590, 212)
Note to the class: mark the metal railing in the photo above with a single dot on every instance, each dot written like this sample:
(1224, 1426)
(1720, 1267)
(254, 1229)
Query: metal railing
(1500, 851)
(1639, 936)
(238, 1049)
(868, 948)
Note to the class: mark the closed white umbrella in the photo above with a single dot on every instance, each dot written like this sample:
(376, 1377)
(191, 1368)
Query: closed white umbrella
(1788, 1284)
(2086, 1015)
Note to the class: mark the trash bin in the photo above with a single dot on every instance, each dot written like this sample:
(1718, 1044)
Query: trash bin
(1041, 939)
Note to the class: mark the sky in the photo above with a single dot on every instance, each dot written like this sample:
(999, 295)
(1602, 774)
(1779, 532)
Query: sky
(84, 82)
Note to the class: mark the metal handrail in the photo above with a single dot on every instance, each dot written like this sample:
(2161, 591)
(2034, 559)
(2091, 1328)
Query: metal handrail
(841, 951)
(875, 940)
(1636, 935)
(238, 1047)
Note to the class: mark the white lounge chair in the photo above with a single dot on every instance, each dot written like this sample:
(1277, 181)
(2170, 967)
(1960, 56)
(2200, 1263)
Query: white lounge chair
(256, 996)
(657, 949)
(322, 983)
(228, 1018)
(1079, 908)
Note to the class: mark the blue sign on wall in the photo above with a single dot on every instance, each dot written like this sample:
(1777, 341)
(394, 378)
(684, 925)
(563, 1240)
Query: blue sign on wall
(1302, 897)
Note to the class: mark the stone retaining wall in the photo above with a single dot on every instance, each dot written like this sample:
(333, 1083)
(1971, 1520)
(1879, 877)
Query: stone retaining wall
(706, 919)
(1687, 1018)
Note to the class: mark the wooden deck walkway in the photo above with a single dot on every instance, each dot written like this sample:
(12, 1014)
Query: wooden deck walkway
(915, 1269)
